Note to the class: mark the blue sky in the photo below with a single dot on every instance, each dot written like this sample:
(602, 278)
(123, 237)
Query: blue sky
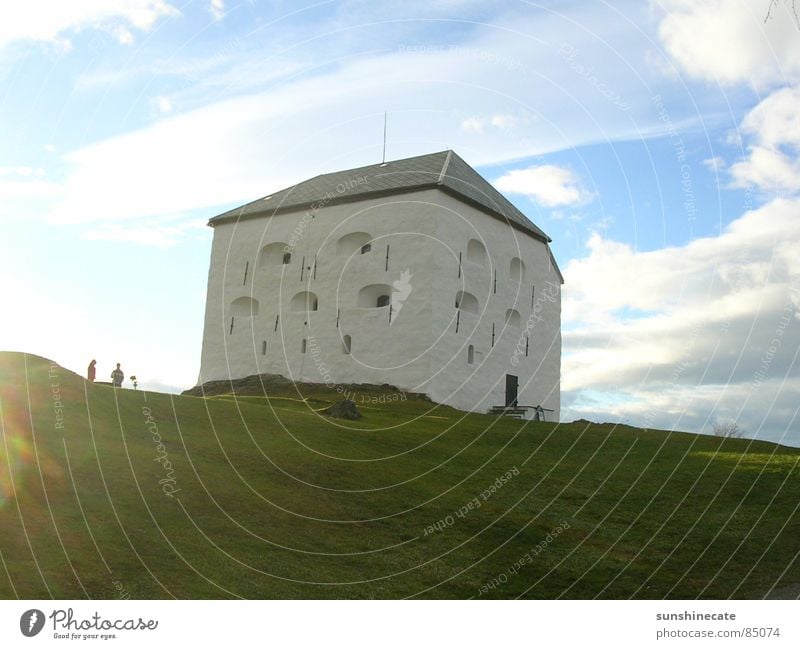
(656, 143)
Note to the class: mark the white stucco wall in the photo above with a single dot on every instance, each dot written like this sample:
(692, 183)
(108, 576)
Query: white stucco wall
(482, 384)
(420, 350)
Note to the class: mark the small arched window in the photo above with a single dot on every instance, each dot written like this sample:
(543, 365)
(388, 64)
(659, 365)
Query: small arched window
(347, 342)
(303, 302)
(471, 354)
(476, 252)
(274, 254)
(513, 318)
(466, 302)
(352, 243)
(244, 307)
(373, 295)
(517, 269)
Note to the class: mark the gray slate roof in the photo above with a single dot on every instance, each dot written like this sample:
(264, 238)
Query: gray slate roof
(444, 170)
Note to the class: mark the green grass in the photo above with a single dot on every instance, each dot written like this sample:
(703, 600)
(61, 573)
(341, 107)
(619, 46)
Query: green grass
(277, 501)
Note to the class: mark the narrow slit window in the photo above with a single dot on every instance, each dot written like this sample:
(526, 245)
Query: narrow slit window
(303, 346)
(471, 354)
(347, 343)
(263, 347)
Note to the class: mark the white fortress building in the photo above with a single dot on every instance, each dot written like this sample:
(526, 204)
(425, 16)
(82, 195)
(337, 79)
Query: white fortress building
(415, 272)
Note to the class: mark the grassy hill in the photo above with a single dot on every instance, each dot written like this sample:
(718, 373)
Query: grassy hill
(118, 493)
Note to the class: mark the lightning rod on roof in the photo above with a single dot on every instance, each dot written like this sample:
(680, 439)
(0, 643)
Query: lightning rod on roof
(383, 160)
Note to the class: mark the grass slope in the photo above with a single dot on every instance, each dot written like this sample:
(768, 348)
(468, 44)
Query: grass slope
(277, 501)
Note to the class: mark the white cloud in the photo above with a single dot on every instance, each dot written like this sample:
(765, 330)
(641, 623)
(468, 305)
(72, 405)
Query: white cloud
(292, 128)
(23, 170)
(727, 41)
(47, 21)
(715, 164)
(767, 169)
(773, 130)
(162, 105)
(18, 188)
(472, 125)
(257, 143)
(153, 234)
(753, 247)
(764, 412)
(480, 124)
(157, 169)
(217, 9)
(26, 192)
(549, 185)
(123, 35)
(503, 121)
(775, 121)
(675, 335)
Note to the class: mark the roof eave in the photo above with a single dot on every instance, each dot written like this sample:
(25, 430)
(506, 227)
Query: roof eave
(554, 264)
(541, 236)
(231, 215)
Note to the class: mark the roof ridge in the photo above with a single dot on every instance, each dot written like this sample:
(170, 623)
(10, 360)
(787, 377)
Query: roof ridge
(444, 166)
(444, 170)
(381, 164)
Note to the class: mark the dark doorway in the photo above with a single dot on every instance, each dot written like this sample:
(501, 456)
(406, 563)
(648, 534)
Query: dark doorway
(512, 387)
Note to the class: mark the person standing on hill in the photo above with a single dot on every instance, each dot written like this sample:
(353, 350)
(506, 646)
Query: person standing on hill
(117, 377)
(91, 371)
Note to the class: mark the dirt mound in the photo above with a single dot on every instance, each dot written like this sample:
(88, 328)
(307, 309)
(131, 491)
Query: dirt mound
(261, 384)
(254, 385)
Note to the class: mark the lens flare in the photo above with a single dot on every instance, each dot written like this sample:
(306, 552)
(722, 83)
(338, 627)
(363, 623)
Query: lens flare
(16, 449)
(28, 427)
